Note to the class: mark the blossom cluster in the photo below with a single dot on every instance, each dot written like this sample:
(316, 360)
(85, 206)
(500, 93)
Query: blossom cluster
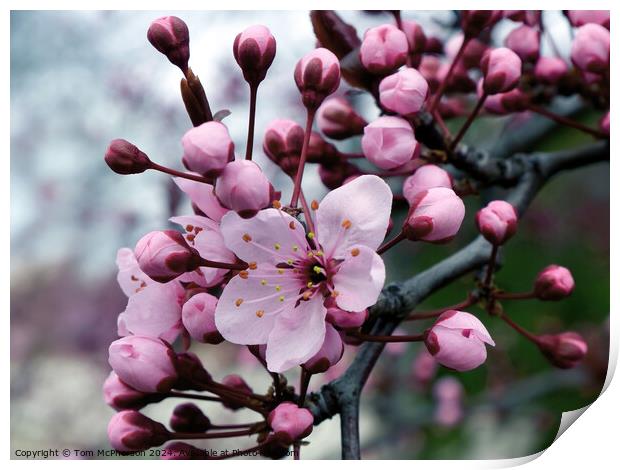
(296, 282)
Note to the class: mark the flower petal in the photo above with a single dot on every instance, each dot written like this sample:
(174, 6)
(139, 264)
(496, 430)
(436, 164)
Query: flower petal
(457, 351)
(203, 197)
(297, 335)
(130, 277)
(457, 320)
(360, 279)
(270, 236)
(154, 311)
(363, 205)
(248, 308)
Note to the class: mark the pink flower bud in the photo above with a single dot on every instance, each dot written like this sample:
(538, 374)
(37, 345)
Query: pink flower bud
(338, 120)
(235, 382)
(497, 222)
(282, 144)
(434, 45)
(529, 17)
(604, 123)
(183, 451)
(501, 68)
(144, 363)
(403, 92)
(121, 396)
(435, 215)
(187, 417)
(254, 50)
(244, 188)
(525, 42)
(474, 21)
(290, 423)
(389, 142)
(317, 76)
(207, 148)
(383, 49)
(582, 17)
(170, 36)
(554, 283)
(125, 158)
(321, 151)
(512, 101)
(415, 37)
(346, 320)
(549, 70)
(198, 316)
(165, 255)
(131, 431)
(330, 353)
(429, 69)
(590, 49)
(457, 340)
(564, 350)
(334, 175)
(425, 177)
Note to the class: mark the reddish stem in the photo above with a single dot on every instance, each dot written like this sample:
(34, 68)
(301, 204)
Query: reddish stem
(468, 123)
(212, 435)
(435, 313)
(218, 264)
(180, 174)
(491, 267)
(193, 396)
(514, 295)
(389, 338)
(519, 328)
(302, 159)
(252, 119)
(566, 121)
(394, 241)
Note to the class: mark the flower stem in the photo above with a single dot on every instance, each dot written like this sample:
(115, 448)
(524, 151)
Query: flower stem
(565, 121)
(251, 121)
(519, 329)
(218, 264)
(389, 338)
(444, 82)
(394, 241)
(302, 160)
(514, 295)
(193, 396)
(491, 267)
(304, 382)
(435, 313)
(212, 435)
(468, 122)
(180, 174)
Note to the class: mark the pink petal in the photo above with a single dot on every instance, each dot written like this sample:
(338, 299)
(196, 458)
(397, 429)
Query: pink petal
(366, 203)
(457, 320)
(130, 277)
(266, 237)
(203, 196)
(154, 311)
(359, 279)
(247, 310)
(457, 351)
(297, 335)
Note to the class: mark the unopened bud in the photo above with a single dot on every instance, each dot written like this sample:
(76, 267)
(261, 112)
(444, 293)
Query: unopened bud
(170, 36)
(131, 431)
(254, 50)
(564, 350)
(125, 158)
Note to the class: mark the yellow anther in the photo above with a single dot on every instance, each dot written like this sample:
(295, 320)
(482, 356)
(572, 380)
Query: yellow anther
(310, 254)
(306, 295)
(319, 253)
(252, 265)
(309, 284)
(244, 274)
(246, 237)
(335, 293)
(278, 288)
(346, 224)
(277, 204)
(310, 235)
(238, 302)
(289, 262)
(314, 204)
(295, 248)
(277, 246)
(260, 313)
(263, 282)
(355, 251)
(281, 298)
(317, 269)
(280, 271)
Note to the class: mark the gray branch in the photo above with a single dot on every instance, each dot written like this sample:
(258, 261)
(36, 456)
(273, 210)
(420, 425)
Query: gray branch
(526, 174)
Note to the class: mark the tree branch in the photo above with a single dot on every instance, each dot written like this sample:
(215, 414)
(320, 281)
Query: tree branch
(526, 174)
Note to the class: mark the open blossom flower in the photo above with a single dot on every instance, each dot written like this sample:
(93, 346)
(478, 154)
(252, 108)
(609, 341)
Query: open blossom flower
(457, 340)
(279, 300)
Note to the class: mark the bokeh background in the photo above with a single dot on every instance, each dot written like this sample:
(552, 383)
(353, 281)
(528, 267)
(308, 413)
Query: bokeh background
(80, 79)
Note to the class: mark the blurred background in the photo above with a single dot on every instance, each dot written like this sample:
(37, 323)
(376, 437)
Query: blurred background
(80, 79)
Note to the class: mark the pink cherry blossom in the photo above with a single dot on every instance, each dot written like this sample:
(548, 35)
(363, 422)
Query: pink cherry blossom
(564, 350)
(343, 319)
(435, 215)
(207, 148)
(554, 283)
(502, 70)
(525, 42)
(383, 49)
(203, 198)
(244, 188)
(330, 353)
(590, 49)
(254, 50)
(131, 431)
(198, 316)
(426, 177)
(389, 142)
(550, 69)
(121, 396)
(338, 120)
(279, 301)
(403, 92)
(582, 17)
(290, 422)
(170, 36)
(497, 222)
(457, 340)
